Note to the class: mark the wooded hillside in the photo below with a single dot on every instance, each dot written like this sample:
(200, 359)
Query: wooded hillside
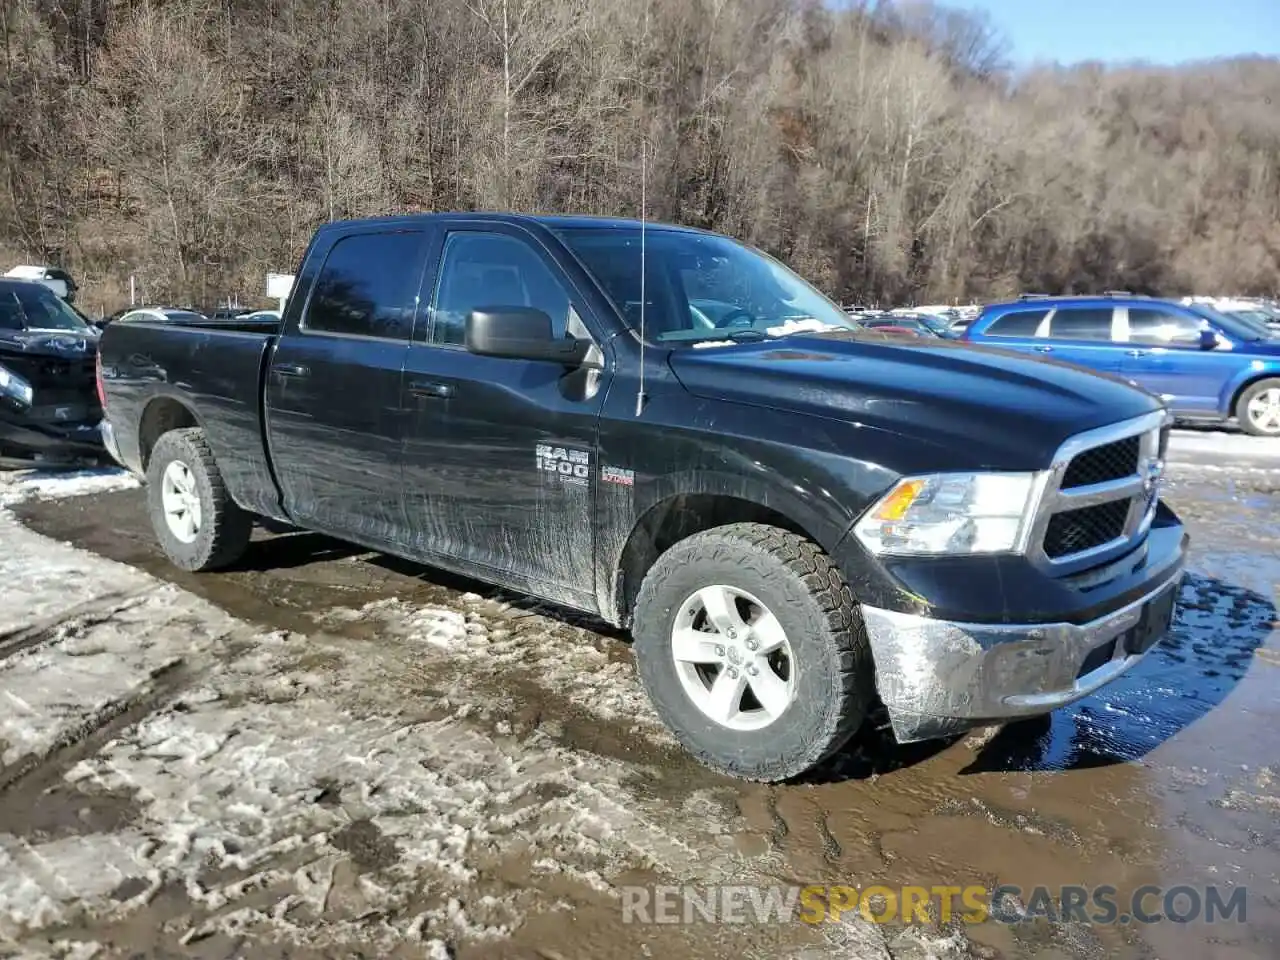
(887, 153)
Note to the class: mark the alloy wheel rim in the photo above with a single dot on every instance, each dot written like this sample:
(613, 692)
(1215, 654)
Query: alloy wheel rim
(733, 658)
(1264, 410)
(181, 501)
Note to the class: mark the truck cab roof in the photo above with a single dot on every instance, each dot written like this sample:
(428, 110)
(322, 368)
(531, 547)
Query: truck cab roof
(555, 222)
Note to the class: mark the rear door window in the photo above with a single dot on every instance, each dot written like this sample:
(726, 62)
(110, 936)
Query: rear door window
(1081, 323)
(368, 286)
(1017, 323)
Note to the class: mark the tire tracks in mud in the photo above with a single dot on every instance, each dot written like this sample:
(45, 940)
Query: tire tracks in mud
(82, 616)
(32, 774)
(34, 778)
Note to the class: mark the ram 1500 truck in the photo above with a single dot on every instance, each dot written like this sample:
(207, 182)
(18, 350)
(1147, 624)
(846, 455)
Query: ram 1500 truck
(670, 430)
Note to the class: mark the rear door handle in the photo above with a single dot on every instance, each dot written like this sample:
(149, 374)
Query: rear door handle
(1137, 353)
(431, 389)
(290, 369)
(1045, 349)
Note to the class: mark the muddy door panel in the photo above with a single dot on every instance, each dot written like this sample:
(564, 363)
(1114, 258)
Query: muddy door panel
(499, 470)
(334, 414)
(335, 421)
(500, 453)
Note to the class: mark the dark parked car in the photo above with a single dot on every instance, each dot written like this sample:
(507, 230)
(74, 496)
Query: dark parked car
(791, 515)
(49, 409)
(1204, 364)
(923, 324)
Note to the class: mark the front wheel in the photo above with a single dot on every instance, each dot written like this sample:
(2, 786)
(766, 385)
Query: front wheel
(749, 644)
(1259, 408)
(197, 523)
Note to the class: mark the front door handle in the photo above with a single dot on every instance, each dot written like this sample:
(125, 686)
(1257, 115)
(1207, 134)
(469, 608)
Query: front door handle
(290, 369)
(1044, 349)
(1137, 353)
(431, 389)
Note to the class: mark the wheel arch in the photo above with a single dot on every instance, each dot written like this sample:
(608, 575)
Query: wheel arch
(162, 414)
(679, 515)
(1254, 376)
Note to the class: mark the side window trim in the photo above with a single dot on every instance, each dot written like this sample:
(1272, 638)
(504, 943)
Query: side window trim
(304, 330)
(427, 307)
(1043, 327)
(1120, 325)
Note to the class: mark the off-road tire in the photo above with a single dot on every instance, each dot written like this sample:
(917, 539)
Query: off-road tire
(805, 591)
(224, 527)
(1242, 406)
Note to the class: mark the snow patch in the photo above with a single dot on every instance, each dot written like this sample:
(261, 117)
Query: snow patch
(805, 325)
(58, 485)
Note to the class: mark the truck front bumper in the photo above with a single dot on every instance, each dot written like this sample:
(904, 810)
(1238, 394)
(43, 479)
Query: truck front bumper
(941, 677)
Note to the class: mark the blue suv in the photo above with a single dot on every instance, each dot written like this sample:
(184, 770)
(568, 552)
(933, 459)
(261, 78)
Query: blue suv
(1204, 364)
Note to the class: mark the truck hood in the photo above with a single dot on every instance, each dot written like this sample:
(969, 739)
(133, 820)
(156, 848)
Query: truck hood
(982, 407)
(48, 343)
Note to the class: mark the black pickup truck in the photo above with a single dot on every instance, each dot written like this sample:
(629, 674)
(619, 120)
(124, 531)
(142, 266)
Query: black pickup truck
(670, 430)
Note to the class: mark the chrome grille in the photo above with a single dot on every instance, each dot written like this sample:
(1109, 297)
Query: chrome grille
(1098, 498)
(1111, 461)
(1074, 530)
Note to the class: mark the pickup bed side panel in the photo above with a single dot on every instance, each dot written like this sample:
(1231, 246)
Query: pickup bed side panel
(150, 369)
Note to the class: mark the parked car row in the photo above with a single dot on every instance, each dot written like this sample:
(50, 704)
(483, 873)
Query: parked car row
(1206, 365)
(1253, 309)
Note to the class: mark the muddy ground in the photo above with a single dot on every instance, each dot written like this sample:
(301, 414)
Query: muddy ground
(332, 753)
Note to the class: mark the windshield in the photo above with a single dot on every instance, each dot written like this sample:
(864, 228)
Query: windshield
(1258, 316)
(33, 306)
(1235, 326)
(700, 287)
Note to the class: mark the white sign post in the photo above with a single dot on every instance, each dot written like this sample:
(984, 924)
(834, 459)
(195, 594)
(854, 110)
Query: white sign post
(278, 287)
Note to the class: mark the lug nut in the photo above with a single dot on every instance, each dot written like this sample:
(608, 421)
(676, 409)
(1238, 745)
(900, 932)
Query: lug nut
(719, 651)
(752, 671)
(733, 673)
(732, 634)
(752, 645)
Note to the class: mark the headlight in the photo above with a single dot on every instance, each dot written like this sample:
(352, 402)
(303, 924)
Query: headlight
(15, 387)
(949, 514)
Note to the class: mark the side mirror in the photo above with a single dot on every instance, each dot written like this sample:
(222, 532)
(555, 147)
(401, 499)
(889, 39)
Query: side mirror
(1208, 339)
(521, 333)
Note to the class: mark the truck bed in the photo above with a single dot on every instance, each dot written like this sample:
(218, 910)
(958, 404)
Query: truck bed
(216, 366)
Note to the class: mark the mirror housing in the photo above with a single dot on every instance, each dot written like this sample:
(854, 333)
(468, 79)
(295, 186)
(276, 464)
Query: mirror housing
(1208, 339)
(521, 333)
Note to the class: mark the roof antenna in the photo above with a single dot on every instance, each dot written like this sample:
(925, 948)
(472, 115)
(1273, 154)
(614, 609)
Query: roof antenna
(640, 394)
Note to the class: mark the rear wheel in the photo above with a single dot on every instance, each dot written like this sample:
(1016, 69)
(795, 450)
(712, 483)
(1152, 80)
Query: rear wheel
(749, 644)
(197, 523)
(1259, 408)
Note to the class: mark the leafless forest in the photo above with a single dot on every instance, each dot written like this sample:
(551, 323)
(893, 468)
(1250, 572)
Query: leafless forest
(888, 153)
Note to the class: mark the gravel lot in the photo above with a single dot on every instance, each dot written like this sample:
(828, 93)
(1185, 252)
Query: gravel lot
(332, 753)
